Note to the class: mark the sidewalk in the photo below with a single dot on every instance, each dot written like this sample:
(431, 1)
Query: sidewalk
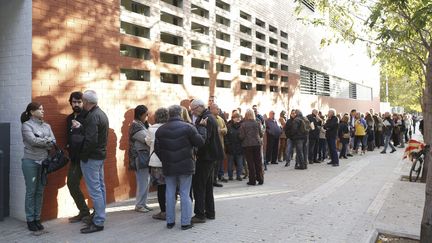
(349, 203)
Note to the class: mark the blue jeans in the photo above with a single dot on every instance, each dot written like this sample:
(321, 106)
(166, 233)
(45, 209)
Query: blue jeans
(289, 150)
(142, 179)
(322, 149)
(184, 183)
(332, 150)
(93, 172)
(387, 143)
(238, 160)
(34, 189)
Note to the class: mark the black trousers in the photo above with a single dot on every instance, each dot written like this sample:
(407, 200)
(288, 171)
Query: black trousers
(272, 148)
(73, 183)
(313, 149)
(202, 184)
(161, 189)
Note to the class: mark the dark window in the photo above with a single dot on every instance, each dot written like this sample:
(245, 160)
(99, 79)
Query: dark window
(284, 56)
(199, 11)
(177, 3)
(246, 72)
(245, 43)
(273, 53)
(274, 89)
(223, 68)
(352, 91)
(136, 30)
(245, 86)
(171, 58)
(222, 5)
(261, 87)
(135, 52)
(244, 15)
(197, 63)
(134, 74)
(171, 19)
(223, 83)
(199, 81)
(273, 64)
(245, 58)
(171, 39)
(222, 20)
(260, 74)
(223, 52)
(260, 48)
(284, 67)
(314, 82)
(284, 78)
(273, 29)
(245, 30)
(260, 23)
(284, 34)
(260, 61)
(136, 7)
(284, 90)
(310, 4)
(223, 36)
(171, 78)
(199, 28)
(260, 35)
(284, 45)
(196, 45)
(273, 77)
(273, 41)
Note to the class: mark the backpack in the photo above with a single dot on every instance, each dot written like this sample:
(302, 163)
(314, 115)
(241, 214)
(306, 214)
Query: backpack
(304, 126)
(307, 125)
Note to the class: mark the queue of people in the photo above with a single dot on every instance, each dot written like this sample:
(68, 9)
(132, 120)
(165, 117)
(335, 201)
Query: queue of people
(183, 152)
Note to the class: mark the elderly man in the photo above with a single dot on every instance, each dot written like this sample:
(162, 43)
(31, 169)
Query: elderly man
(273, 132)
(331, 126)
(92, 156)
(222, 131)
(174, 146)
(207, 155)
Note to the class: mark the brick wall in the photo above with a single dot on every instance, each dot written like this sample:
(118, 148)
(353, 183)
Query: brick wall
(15, 87)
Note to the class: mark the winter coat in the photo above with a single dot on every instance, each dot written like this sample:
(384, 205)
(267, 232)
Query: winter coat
(314, 134)
(95, 127)
(343, 129)
(289, 128)
(272, 128)
(212, 149)
(174, 143)
(233, 144)
(331, 127)
(250, 133)
(37, 137)
(388, 125)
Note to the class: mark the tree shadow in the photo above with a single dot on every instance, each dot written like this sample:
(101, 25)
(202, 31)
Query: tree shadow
(124, 145)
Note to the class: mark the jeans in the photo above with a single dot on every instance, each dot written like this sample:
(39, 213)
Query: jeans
(322, 149)
(387, 143)
(142, 180)
(306, 149)
(300, 160)
(360, 139)
(238, 160)
(289, 150)
(73, 183)
(93, 171)
(313, 148)
(332, 149)
(343, 152)
(34, 189)
(184, 184)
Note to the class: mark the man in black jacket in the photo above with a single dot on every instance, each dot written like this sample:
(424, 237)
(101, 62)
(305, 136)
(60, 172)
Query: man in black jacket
(74, 141)
(298, 136)
(174, 145)
(288, 133)
(388, 126)
(314, 136)
(207, 155)
(92, 155)
(331, 126)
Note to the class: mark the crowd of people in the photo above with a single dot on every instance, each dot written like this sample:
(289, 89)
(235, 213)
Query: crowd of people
(183, 152)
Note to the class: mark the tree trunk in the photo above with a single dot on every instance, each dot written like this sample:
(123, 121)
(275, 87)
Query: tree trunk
(426, 224)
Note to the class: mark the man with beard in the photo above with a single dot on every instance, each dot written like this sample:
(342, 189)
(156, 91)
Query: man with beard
(74, 140)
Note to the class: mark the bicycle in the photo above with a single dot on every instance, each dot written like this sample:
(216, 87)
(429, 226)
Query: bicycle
(417, 164)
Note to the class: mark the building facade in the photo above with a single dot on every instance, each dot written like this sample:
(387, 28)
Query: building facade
(159, 53)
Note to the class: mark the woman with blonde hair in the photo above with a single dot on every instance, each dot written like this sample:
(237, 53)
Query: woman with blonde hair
(250, 134)
(185, 115)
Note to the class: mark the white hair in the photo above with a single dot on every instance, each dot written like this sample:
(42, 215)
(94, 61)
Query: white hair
(90, 96)
(332, 111)
(196, 103)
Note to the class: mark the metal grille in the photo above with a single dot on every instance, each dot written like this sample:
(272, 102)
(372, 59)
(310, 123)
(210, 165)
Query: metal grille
(314, 82)
(353, 91)
(310, 4)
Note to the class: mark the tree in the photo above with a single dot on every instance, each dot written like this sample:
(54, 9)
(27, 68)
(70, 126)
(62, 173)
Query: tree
(399, 34)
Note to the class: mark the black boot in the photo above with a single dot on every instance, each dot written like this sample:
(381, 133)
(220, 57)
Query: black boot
(32, 226)
(39, 225)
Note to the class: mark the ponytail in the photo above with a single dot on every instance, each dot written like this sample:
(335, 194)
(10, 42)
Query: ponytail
(25, 116)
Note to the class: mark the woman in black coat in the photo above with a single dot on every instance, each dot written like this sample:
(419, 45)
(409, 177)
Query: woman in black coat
(344, 136)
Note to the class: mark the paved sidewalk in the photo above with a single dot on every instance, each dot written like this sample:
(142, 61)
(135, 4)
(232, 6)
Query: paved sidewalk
(322, 204)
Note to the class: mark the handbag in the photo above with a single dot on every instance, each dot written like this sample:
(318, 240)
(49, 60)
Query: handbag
(346, 135)
(55, 161)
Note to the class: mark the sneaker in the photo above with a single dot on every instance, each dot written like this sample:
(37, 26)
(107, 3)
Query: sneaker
(197, 220)
(141, 209)
(91, 228)
(39, 225)
(170, 225)
(159, 216)
(32, 226)
(186, 227)
(394, 150)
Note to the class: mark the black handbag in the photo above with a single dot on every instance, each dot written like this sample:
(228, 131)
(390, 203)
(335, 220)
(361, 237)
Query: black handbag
(55, 161)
